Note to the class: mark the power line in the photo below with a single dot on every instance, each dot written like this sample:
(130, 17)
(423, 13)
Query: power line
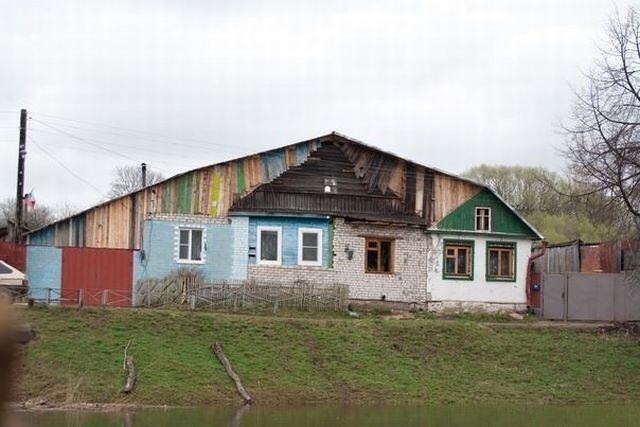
(175, 142)
(85, 140)
(96, 143)
(208, 143)
(65, 166)
(102, 144)
(173, 156)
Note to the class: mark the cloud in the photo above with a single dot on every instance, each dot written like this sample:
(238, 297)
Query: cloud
(450, 84)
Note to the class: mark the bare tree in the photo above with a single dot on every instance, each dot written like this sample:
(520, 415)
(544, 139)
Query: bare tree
(604, 128)
(129, 178)
(34, 218)
(528, 189)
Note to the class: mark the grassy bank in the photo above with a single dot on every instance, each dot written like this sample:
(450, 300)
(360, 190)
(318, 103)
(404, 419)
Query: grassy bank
(77, 357)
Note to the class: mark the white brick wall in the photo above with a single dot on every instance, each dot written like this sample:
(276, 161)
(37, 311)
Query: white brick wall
(479, 290)
(406, 284)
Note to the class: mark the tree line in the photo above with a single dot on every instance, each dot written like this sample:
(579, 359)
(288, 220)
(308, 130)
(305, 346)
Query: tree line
(561, 208)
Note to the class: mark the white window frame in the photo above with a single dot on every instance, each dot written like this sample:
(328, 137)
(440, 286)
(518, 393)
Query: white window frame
(318, 232)
(202, 245)
(259, 231)
(475, 218)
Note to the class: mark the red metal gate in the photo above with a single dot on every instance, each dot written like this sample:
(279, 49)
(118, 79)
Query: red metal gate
(98, 276)
(14, 254)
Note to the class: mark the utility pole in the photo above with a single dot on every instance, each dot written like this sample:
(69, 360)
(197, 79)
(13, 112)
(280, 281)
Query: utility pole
(144, 174)
(22, 153)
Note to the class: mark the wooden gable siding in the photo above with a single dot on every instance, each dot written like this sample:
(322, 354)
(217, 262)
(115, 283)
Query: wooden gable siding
(449, 193)
(377, 181)
(206, 191)
(301, 189)
(411, 182)
(430, 193)
(377, 169)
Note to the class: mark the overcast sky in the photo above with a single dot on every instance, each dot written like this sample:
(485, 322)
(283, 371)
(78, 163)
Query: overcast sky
(182, 84)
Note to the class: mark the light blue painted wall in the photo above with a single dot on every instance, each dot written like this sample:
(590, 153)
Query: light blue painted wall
(290, 226)
(224, 254)
(44, 270)
(42, 237)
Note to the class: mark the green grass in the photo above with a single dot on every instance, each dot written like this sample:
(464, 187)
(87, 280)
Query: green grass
(77, 357)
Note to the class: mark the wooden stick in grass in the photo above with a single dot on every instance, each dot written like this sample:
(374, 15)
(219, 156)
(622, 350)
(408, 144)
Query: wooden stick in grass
(127, 365)
(131, 375)
(219, 353)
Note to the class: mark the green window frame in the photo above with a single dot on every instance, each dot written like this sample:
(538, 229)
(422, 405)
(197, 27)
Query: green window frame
(502, 260)
(451, 256)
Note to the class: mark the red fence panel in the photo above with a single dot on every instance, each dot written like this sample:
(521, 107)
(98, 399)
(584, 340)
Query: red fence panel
(101, 276)
(14, 254)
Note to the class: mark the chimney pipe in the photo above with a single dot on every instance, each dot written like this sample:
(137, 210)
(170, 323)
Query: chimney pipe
(144, 174)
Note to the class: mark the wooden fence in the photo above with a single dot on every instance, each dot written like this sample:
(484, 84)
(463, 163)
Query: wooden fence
(300, 295)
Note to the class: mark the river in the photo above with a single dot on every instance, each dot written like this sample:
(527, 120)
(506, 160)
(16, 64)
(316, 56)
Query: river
(352, 416)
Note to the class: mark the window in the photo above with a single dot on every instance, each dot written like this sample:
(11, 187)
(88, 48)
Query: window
(269, 245)
(458, 260)
(483, 219)
(190, 245)
(379, 255)
(330, 185)
(310, 246)
(501, 261)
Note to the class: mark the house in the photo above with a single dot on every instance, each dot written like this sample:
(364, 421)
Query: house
(328, 210)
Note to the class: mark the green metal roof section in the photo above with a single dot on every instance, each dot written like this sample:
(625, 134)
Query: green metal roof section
(504, 219)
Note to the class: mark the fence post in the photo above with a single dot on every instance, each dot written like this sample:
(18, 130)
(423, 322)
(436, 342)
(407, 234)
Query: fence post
(244, 283)
(104, 297)
(235, 301)
(48, 296)
(565, 315)
(80, 298)
(275, 307)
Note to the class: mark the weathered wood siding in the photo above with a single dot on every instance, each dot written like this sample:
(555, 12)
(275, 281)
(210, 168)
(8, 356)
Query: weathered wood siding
(207, 191)
(449, 193)
(381, 184)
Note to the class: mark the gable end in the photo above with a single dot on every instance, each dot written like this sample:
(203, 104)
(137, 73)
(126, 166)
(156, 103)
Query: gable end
(504, 220)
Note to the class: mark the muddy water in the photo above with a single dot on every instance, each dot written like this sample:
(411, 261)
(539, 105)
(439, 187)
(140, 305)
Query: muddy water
(352, 416)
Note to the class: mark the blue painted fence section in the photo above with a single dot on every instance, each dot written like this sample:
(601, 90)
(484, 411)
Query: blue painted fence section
(224, 254)
(44, 270)
(290, 226)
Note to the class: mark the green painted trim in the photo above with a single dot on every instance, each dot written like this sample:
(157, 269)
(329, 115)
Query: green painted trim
(481, 233)
(495, 244)
(183, 191)
(240, 184)
(470, 243)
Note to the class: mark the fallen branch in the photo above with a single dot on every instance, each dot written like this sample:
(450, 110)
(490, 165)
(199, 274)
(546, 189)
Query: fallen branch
(131, 375)
(124, 359)
(217, 350)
